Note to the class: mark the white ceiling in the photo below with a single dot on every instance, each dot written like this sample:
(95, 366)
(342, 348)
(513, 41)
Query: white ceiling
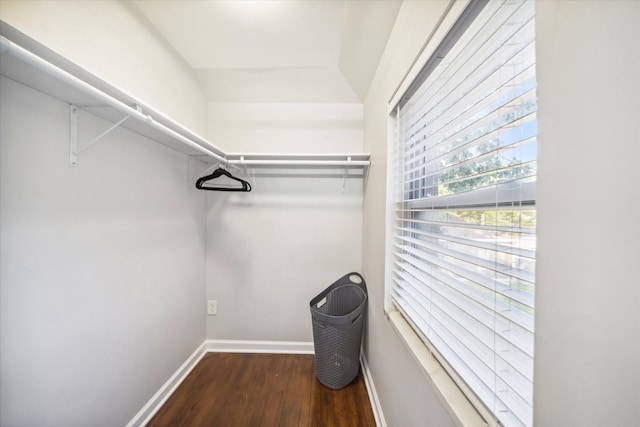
(277, 50)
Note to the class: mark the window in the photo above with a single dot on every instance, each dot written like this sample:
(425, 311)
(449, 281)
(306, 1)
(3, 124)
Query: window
(464, 243)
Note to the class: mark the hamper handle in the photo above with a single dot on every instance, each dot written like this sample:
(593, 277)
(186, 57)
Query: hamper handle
(357, 318)
(344, 280)
(319, 323)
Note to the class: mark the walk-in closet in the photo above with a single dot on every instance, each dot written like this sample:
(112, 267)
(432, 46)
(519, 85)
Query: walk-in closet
(179, 179)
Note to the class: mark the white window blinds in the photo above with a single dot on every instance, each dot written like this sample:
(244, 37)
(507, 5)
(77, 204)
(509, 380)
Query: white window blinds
(464, 233)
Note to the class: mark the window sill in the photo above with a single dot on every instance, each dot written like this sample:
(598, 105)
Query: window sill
(454, 400)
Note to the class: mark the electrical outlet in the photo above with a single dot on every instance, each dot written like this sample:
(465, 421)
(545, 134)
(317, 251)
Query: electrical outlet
(212, 307)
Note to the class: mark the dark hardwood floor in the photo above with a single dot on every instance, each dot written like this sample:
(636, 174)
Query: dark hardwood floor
(231, 389)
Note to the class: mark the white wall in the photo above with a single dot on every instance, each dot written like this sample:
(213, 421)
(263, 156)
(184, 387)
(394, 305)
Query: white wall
(271, 250)
(407, 398)
(587, 347)
(112, 40)
(286, 128)
(102, 267)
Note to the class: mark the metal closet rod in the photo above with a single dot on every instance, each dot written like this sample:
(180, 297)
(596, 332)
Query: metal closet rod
(300, 159)
(284, 162)
(6, 46)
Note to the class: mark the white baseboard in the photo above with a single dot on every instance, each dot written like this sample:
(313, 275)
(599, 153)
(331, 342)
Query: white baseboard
(373, 395)
(276, 347)
(155, 403)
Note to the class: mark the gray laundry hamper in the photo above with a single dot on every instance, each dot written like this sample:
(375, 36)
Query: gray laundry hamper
(337, 316)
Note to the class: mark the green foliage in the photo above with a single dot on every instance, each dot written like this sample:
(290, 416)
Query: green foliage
(525, 218)
(481, 165)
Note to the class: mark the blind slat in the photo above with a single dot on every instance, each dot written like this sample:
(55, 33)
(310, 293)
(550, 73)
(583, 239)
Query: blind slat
(489, 262)
(478, 341)
(474, 286)
(467, 300)
(474, 242)
(479, 103)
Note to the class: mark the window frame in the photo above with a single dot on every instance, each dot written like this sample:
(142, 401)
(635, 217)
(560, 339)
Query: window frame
(460, 401)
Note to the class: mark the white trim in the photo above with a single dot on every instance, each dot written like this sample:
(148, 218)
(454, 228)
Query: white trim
(373, 394)
(155, 403)
(275, 347)
(449, 18)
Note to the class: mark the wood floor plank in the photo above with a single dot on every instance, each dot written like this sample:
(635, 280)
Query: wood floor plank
(227, 389)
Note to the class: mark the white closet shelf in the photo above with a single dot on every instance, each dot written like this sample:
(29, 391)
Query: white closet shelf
(61, 79)
(89, 93)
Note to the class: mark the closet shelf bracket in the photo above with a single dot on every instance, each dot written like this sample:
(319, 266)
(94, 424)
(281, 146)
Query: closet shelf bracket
(74, 143)
(346, 171)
